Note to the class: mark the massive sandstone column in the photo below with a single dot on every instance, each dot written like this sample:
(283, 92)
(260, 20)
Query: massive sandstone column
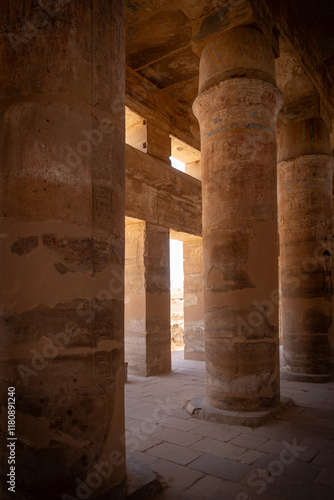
(305, 174)
(237, 109)
(62, 245)
(147, 299)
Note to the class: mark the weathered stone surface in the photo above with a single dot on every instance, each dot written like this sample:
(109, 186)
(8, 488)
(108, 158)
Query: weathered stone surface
(62, 213)
(141, 481)
(151, 103)
(237, 118)
(159, 141)
(306, 247)
(135, 130)
(24, 245)
(222, 17)
(235, 54)
(194, 169)
(194, 336)
(160, 194)
(305, 137)
(286, 15)
(147, 299)
(79, 254)
(62, 206)
(177, 335)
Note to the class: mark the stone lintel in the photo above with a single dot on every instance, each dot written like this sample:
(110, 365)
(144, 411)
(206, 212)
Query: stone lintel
(160, 194)
(183, 152)
(198, 408)
(144, 98)
(158, 174)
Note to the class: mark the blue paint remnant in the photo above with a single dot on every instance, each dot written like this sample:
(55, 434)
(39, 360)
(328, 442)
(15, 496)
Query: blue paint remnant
(254, 126)
(133, 6)
(132, 33)
(253, 115)
(212, 23)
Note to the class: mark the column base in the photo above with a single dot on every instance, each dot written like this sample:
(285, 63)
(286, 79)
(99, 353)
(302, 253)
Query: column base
(198, 408)
(323, 378)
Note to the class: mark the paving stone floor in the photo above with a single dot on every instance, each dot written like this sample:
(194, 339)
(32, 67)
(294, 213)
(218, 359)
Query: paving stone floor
(291, 457)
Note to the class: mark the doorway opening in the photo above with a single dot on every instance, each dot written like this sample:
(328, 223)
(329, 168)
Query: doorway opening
(176, 294)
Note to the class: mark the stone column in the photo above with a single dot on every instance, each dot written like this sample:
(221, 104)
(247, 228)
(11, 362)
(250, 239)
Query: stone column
(147, 297)
(237, 110)
(62, 245)
(305, 173)
(194, 345)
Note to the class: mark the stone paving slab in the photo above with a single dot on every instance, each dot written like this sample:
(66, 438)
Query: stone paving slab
(174, 494)
(179, 424)
(326, 477)
(234, 491)
(174, 453)
(176, 476)
(217, 432)
(218, 448)
(214, 461)
(320, 443)
(249, 441)
(177, 437)
(143, 457)
(250, 456)
(205, 486)
(305, 453)
(221, 467)
(295, 489)
(141, 481)
(144, 444)
(274, 467)
(324, 459)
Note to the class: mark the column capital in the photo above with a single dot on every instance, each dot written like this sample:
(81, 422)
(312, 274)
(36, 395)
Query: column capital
(304, 137)
(308, 107)
(242, 52)
(237, 111)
